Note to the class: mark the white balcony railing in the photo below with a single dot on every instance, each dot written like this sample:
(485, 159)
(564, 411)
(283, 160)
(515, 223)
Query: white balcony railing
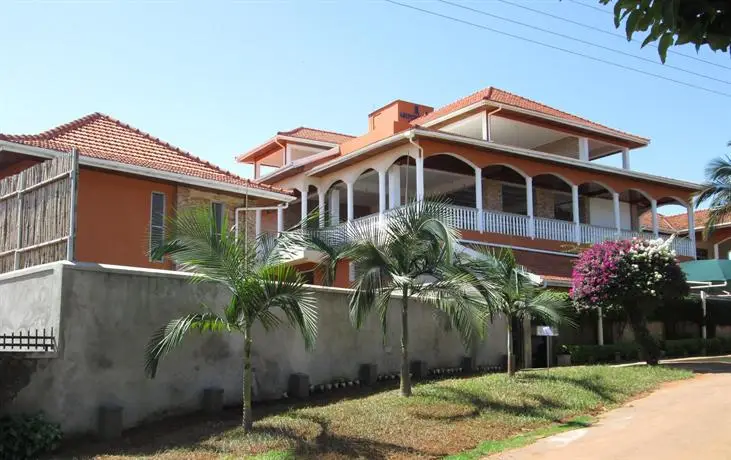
(466, 218)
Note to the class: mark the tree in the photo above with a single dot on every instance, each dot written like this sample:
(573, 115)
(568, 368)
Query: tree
(676, 22)
(631, 277)
(513, 293)
(408, 254)
(254, 272)
(716, 192)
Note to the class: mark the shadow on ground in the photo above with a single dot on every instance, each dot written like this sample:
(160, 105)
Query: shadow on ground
(720, 365)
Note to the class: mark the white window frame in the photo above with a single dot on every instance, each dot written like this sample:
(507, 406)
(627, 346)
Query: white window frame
(161, 227)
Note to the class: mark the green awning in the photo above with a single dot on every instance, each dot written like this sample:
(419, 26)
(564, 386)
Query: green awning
(714, 271)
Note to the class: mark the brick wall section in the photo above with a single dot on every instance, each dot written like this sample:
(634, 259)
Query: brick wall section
(492, 195)
(545, 203)
(187, 197)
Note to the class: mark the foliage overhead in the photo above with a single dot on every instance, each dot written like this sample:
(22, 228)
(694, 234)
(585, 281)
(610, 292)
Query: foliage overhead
(716, 192)
(676, 22)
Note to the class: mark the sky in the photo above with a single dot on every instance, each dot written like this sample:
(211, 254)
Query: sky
(219, 77)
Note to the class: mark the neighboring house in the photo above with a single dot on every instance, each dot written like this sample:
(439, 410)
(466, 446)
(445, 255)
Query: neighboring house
(129, 182)
(518, 173)
(716, 246)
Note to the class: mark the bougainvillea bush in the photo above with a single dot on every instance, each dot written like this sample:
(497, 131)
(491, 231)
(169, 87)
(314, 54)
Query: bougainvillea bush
(632, 277)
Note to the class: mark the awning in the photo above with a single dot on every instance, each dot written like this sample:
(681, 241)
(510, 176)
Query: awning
(711, 279)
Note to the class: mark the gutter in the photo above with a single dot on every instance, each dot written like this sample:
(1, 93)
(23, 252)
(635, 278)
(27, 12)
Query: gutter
(147, 172)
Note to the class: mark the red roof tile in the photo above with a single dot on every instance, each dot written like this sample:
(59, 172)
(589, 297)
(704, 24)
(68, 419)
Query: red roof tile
(504, 97)
(100, 136)
(317, 135)
(676, 222)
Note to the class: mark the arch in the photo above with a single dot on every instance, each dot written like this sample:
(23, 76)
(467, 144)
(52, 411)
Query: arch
(556, 175)
(596, 182)
(506, 165)
(627, 190)
(678, 201)
(453, 155)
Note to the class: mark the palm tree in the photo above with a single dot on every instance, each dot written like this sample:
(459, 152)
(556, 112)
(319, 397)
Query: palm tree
(717, 192)
(513, 292)
(407, 254)
(255, 274)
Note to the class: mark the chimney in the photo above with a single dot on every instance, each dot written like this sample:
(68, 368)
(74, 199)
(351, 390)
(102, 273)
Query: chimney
(395, 117)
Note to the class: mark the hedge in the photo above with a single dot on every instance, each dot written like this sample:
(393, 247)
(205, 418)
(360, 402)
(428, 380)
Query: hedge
(591, 354)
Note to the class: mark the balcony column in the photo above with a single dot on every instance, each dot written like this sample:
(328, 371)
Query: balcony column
(485, 126)
(691, 228)
(600, 327)
(617, 217)
(349, 186)
(257, 222)
(716, 252)
(583, 149)
(419, 178)
(575, 212)
(334, 207)
(625, 158)
(529, 206)
(478, 199)
(381, 192)
(280, 219)
(394, 187)
(655, 224)
(303, 204)
(321, 207)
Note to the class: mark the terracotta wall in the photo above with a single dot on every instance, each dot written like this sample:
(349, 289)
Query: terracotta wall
(114, 217)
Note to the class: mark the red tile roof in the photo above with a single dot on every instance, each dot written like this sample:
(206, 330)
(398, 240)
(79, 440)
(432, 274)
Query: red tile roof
(100, 136)
(317, 135)
(504, 97)
(676, 222)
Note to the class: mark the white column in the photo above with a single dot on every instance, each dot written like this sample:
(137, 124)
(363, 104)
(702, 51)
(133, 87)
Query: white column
(419, 179)
(575, 212)
(257, 170)
(381, 191)
(529, 206)
(600, 327)
(617, 217)
(625, 158)
(485, 126)
(691, 227)
(303, 205)
(394, 187)
(321, 207)
(704, 328)
(655, 223)
(257, 222)
(350, 201)
(478, 199)
(280, 219)
(334, 206)
(583, 149)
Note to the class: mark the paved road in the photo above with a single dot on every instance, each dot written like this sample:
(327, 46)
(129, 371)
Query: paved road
(683, 420)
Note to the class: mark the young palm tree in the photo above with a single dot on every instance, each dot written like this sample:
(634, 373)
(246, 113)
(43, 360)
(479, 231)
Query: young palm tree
(717, 192)
(253, 272)
(406, 254)
(512, 292)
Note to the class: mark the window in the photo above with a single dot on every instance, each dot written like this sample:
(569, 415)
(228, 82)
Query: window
(563, 207)
(514, 199)
(157, 221)
(217, 210)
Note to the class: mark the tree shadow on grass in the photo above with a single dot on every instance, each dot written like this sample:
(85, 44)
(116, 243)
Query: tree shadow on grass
(586, 383)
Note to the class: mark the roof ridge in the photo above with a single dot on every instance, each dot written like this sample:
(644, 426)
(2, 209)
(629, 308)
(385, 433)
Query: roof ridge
(314, 129)
(49, 134)
(487, 90)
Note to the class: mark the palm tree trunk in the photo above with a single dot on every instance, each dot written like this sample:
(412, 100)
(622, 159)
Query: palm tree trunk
(248, 417)
(509, 365)
(405, 374)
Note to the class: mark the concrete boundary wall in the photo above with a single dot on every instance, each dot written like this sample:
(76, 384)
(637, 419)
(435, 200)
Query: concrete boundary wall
(107, 314)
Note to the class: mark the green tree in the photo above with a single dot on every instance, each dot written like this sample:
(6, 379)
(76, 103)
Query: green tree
(716, 192)
(409, 255)
(259, 281)
(676, 22)
(513, 293)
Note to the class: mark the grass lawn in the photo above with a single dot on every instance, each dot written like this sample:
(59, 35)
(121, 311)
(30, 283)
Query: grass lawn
(467, 416)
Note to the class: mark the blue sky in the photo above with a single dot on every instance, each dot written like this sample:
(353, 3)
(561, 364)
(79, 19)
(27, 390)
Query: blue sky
(218, 77)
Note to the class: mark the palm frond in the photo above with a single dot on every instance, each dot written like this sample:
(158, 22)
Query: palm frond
(168, 337)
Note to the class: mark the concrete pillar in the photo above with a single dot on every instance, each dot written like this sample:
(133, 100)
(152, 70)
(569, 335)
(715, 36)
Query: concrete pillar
(303, 205)
(280, 219)
(419, 178)
(351, 204)
(394, 187)
(575, 212)
(529, 206)
(625, 158)
(109, 423)
(600, 327)
(691, 226)
(257, 170)
(334, 206)
(321, 207)
(381, 191)
(486, 127)
(617, 213)
(715, 251)
(478, 199)
(583, 149)
(655, 223)
(257, 222)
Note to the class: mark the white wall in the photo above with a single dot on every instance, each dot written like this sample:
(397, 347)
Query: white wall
(601, 213)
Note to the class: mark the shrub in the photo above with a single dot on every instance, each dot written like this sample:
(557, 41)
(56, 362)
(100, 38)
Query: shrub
(27, 436)
(591, 354)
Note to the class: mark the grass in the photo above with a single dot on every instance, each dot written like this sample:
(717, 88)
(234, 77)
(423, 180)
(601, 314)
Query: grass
(482, 415)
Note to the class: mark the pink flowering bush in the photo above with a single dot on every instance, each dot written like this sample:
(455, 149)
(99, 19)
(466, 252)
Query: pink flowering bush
(631, 277)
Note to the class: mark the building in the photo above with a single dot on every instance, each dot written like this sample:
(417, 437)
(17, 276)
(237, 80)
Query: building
(716, 246)
(128, 183)
(518, 173)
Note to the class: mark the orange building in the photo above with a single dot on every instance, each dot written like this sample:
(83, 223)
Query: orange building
(128, 183)
(518, 173)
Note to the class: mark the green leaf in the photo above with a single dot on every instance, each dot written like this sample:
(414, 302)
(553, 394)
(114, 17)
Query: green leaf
(631, 24)
(665, 43)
